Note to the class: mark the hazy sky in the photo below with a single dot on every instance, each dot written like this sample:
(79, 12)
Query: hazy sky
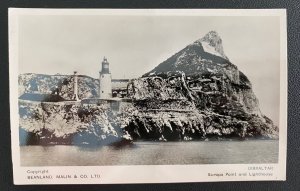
(136, 44)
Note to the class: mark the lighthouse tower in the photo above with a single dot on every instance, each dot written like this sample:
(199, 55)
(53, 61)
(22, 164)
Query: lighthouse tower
(75, 95)
(105, 89)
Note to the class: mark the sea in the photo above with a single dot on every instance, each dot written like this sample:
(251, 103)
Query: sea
(154, 153)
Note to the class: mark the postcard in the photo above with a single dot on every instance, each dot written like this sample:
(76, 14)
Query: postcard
(114, 96)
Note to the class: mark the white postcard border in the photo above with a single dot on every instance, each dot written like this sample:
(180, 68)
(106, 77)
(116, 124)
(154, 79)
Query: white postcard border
(144, 173)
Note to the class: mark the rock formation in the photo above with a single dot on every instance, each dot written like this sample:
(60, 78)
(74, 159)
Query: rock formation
(58, 84)
(216, 87)
(69, 123)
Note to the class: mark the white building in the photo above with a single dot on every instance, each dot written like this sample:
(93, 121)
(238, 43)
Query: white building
(76, 98)
(105, 89)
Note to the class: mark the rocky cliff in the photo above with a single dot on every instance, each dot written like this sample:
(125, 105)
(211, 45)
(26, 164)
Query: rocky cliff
(221, 94)
(70, 123)
(190, 114)
(58, 84)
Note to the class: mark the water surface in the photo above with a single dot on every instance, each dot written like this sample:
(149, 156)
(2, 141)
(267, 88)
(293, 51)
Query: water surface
(154, 153)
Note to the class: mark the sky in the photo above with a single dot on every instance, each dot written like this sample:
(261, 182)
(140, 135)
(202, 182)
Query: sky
(134, 45)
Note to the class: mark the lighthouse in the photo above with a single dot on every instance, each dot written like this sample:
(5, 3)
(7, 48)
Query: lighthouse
(75, 94)
(105, 89)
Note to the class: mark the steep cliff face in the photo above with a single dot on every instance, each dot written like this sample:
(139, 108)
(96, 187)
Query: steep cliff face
(212, 43)
(191, 114)
(71, 123)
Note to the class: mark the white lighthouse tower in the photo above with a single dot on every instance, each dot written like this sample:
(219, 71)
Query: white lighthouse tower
(105, 89)
(75, 95)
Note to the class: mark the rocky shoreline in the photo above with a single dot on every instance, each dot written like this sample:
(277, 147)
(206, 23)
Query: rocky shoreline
(165, 115)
